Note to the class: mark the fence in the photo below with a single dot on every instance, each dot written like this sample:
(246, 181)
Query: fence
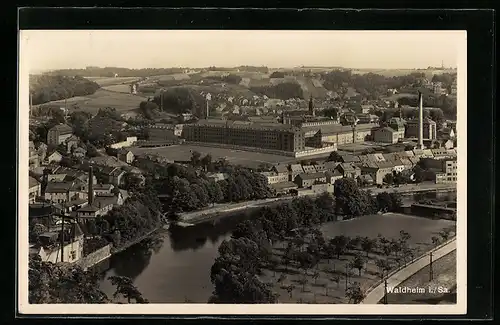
(399, 268)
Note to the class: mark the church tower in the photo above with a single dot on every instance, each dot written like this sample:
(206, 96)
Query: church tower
(311, 107)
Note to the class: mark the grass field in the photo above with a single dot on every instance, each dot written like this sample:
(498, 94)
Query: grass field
(237, 157)
(326, 289)
(101, 99)
(118, 88)
(402, 72)
(107, 81)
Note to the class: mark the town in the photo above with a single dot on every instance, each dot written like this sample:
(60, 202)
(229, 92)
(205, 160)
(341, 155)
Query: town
(303, 185)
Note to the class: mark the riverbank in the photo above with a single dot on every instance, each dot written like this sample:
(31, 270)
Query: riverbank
(121, 248)
(212, 213)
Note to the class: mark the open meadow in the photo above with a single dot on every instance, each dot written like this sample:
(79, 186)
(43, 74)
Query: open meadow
(122, 102)
(109, 81)
(236, 157)
(326, 281)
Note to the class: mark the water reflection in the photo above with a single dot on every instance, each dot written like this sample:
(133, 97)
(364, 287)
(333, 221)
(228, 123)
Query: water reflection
(195, 237)
(133, 261)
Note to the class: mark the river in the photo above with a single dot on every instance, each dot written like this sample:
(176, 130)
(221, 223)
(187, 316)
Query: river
(174, 266)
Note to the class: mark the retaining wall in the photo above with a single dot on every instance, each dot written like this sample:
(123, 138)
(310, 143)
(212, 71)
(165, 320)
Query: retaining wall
(95, 257)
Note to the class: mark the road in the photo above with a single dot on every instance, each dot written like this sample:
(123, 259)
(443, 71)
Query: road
(377, 293)
(204, 214)
(413, 188)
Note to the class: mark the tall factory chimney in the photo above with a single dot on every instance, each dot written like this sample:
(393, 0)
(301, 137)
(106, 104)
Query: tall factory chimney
(420, 121)
(91, 186)
(311, 107)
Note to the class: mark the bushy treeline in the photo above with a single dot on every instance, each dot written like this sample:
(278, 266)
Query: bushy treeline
(179, 100)
(137, 216)
(45, 88)
(282, 91)
(186, 188)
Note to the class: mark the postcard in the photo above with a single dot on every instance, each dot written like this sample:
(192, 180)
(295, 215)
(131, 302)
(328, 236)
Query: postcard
(266, 172)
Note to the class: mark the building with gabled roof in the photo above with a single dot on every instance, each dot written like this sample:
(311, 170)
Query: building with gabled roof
(309, 179)
(58, 134)
(349, 170)
(295, 169)
(309, 169)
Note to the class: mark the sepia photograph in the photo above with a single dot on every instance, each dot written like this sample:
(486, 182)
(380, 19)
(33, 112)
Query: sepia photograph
(246, 172)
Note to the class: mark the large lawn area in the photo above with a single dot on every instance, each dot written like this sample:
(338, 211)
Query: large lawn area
(325, 288)
(236, 157)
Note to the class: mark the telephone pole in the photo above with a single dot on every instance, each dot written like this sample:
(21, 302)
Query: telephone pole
(431, 275)
(62, 237)
(385, 291)
(161, 100)
(346, 276)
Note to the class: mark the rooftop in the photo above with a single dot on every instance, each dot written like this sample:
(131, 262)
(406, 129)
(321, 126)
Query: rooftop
(33, 182)
(305, 176)
(245, 125)
(62, 128)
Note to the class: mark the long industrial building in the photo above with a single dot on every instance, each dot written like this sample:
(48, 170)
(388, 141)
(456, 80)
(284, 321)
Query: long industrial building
(273, 136)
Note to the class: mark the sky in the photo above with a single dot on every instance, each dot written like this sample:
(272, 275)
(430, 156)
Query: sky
(62, 49)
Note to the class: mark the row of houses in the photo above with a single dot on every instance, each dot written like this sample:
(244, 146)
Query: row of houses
(368, 169)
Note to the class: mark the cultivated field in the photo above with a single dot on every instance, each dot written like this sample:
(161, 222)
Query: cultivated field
(401, 72)
(118, 88)
(101, 99)
(236, 157)
(326, 288)
(107, 81)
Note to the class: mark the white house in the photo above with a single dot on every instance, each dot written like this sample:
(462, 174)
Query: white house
(54, 157)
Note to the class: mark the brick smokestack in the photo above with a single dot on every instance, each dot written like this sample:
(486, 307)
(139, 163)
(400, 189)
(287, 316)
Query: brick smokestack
(91, 185)
(420, 121)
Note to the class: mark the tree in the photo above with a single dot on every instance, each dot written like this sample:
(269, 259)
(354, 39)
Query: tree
(206, 162)
(303, 281)
(316, 276)
(234, 286)
(126, 288)
(55, 283)
(336, 279)
(445, 234)
(358, 263)
(368, 245)
(354, 293)
(339, 244)
(389, 179)
(277, 74)
(404, 237)
(418, 174)
(383, 266)
(335, 156)
(195, 158)
(435, 241)
(325, 285)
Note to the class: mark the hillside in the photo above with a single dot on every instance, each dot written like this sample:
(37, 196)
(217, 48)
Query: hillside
(46, 88)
